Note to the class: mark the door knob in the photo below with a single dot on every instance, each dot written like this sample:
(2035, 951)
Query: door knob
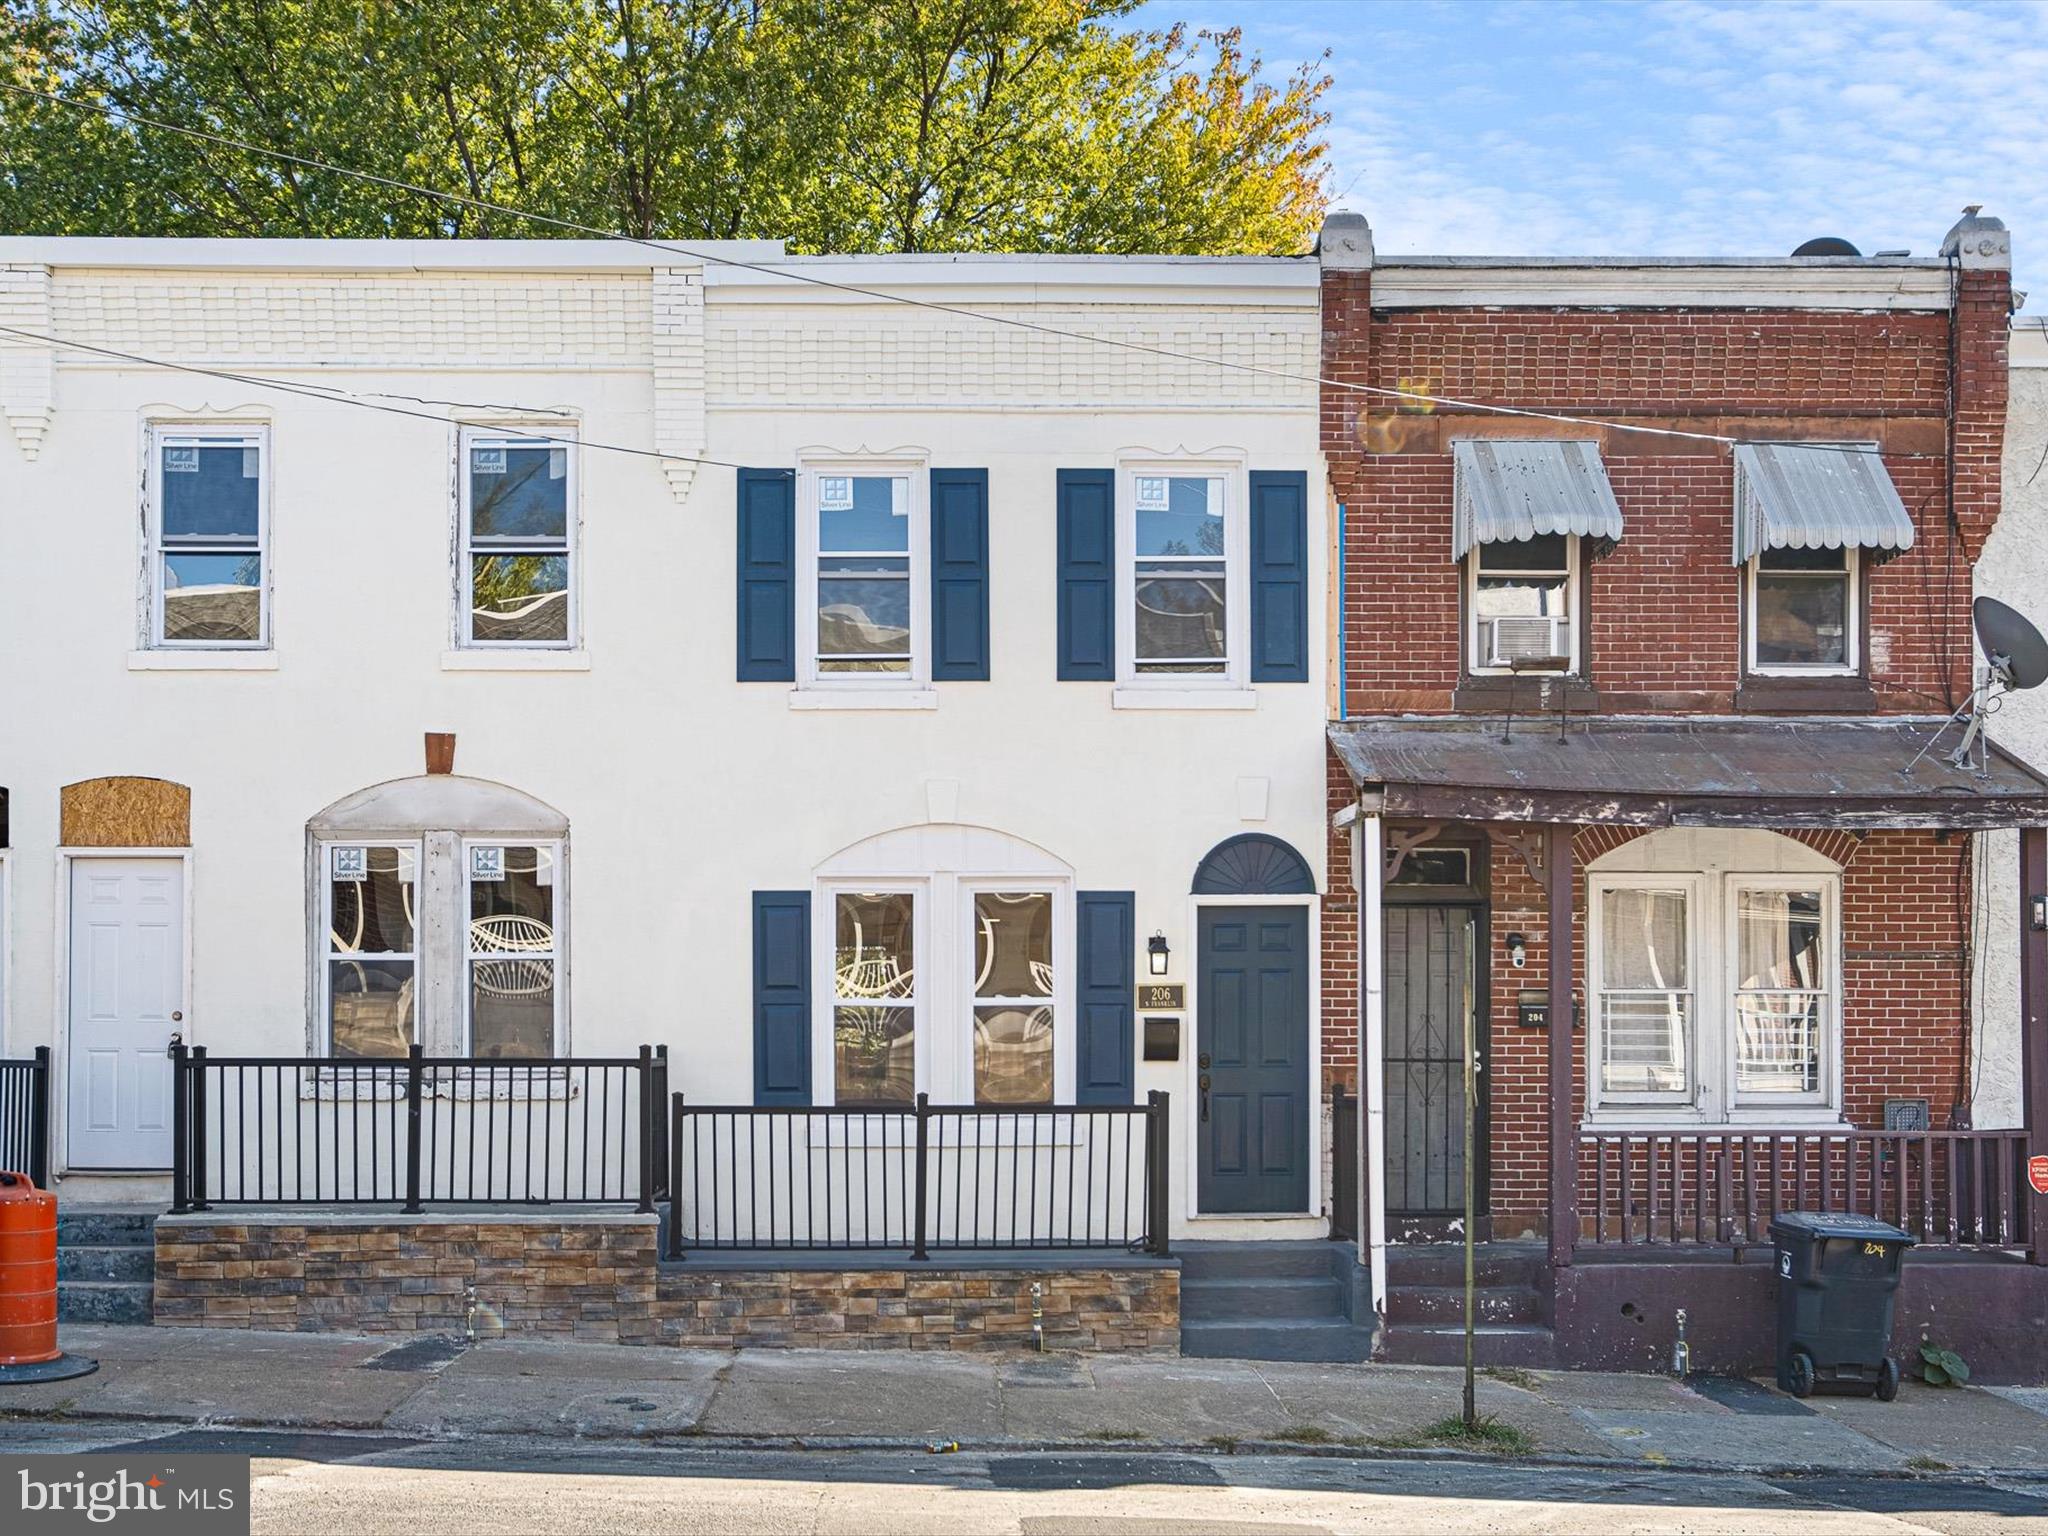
(1202, 1083)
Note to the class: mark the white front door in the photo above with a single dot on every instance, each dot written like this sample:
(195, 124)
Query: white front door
(127, 999)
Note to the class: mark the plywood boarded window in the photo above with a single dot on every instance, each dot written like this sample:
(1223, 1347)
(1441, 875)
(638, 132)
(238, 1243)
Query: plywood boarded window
(125, 813)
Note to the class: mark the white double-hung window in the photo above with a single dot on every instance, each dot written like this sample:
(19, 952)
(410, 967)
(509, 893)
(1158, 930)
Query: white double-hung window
(1717, 993)
(209, 516)
(1182, 589)
(864, 580)
(517, 536)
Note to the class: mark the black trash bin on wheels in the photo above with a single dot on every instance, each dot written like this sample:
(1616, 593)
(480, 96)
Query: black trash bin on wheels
(1837, 1278)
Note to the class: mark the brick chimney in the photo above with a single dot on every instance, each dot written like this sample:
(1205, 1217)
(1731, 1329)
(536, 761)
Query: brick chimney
(1982, 252)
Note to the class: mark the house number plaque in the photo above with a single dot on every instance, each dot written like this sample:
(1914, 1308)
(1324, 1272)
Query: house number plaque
(1162, 994)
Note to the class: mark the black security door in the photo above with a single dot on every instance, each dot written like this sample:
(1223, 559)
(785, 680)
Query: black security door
(1430, 982)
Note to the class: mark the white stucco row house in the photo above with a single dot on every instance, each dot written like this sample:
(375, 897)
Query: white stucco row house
(845, 694)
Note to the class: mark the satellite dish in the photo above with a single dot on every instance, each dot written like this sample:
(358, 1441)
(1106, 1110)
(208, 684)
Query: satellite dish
(2015, 649)
(1827, 245)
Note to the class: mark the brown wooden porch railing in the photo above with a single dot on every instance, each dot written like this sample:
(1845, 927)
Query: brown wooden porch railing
(1950, 1189)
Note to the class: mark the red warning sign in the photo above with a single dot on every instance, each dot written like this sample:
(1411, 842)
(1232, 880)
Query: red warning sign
(2037, 1174)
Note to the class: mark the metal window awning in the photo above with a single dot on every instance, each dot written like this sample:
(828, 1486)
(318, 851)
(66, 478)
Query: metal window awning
(1513, 488)
(1637, 771)
(1816, 496)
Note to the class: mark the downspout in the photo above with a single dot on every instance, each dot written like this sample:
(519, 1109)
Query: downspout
(1343, 668)
(1368, 857)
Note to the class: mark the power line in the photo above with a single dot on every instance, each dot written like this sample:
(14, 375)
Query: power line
(333, 395)
(959, 311)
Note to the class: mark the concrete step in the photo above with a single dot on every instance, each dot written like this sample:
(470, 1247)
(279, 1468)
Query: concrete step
(1444, 1344)
(1252, 1261)
(105, 1301)
(134, 1263)
(1493, 1264)
(1264, 1338)
(1446, 1304)
(106, 1226)
(1269, 1296)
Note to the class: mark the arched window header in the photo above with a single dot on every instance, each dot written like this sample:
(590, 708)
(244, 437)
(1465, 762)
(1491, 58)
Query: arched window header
(438, 802)
(1253, 864)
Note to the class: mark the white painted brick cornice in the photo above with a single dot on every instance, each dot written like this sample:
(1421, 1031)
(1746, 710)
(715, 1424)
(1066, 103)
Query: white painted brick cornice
(678, 348)
(28, 371)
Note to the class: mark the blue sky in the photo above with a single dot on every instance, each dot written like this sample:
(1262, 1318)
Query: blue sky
(1672, 127)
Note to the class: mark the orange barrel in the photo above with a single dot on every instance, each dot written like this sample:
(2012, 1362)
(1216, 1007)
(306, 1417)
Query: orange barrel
(28, 1272)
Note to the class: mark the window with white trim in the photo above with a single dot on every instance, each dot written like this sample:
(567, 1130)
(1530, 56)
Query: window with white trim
(209, 518)
(864, 540)
(517, 532)
(948, 985)
(511, 1000)
(1183, 598)
(1803, 610)
(1719, 992)
(1523, 599)
(497, 928)
(370, 979)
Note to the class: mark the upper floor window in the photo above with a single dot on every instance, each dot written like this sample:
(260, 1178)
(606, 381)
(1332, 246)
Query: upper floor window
(518, 538)
(1523, 598)
(1803, 612)
(865, 551)
(1182, 580)
(209, 509)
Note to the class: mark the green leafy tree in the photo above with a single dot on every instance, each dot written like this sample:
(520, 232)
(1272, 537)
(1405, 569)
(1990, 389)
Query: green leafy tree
(848, 125)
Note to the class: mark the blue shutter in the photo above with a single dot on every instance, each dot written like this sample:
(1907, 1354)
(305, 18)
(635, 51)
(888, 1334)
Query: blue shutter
(960, 575)
(1279, 576)
(1106, 947)
(782, 997)
(767, 577)
(1086, 512)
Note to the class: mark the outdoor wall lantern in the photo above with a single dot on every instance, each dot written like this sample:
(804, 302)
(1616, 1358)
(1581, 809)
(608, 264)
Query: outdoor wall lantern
(1518, 950)
(1156, 954)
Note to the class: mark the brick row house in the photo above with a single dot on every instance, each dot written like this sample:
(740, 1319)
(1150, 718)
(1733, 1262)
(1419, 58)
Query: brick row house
(717, 797)
(1655, 589)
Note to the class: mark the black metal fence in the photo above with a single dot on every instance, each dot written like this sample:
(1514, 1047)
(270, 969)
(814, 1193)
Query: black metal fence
(417, 1130)
(25, 1117)
(925, 1178)
(1343, 1164)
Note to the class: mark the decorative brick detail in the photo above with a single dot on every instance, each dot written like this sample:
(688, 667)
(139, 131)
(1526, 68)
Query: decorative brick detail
(28, 373)
(678, 342)
(597, 1280)
(1109, 1309)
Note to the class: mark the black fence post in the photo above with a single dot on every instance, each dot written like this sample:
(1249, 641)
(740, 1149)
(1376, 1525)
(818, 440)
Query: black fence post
(195, 1157)
(414, 1078)
(920, 1252)
(649, 1116)
(1156, 1142)
(675, 1177)
(39, 1120)
(660, 1122)
(181, 1128)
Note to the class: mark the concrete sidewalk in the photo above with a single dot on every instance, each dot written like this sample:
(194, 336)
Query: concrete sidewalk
(433, 1388)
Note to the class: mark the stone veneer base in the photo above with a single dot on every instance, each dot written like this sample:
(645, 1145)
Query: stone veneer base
(593, 1275)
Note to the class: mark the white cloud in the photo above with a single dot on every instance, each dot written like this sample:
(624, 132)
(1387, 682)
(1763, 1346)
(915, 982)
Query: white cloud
(1694, 127)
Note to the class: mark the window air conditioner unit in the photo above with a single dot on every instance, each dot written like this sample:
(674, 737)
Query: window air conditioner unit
(1547, 638)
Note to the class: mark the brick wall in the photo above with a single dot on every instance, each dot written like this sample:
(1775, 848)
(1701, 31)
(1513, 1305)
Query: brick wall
(1664, 608)
(595, 1278)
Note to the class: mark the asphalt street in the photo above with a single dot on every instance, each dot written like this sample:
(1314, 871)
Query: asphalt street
(308, 1484)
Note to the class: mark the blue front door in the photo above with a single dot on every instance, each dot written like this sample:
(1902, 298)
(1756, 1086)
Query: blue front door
(1253, 1099)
